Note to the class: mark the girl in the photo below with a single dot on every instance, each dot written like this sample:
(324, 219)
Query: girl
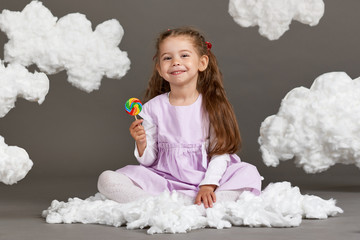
(189, 135)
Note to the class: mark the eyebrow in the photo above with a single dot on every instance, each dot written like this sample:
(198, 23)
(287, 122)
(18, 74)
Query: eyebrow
(184, 50)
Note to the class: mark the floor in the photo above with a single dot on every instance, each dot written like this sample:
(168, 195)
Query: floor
(21, 206)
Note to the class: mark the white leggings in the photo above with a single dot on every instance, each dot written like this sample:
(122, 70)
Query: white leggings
(118, 187)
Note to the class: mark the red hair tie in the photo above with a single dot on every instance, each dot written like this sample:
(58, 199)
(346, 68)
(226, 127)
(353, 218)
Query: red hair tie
(208, 45)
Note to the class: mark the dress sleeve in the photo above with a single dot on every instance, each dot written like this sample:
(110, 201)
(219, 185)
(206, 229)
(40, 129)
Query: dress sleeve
(150, 153)
(216, 169)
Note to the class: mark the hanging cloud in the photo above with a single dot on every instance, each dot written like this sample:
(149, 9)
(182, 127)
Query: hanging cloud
(279, 205)
(69, 43)
(319, 127)
(14, 163)
(274, 16)
(16, 81)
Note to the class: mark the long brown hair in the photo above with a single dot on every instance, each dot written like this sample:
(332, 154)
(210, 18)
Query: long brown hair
(210, 85)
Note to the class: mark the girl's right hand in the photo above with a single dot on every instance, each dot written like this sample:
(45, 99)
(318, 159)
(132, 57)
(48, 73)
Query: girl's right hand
(137, 131)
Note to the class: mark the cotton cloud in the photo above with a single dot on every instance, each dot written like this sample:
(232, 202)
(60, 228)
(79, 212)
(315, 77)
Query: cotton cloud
(319, 127)
(16, 81)
(279, 205)
(69, 43)
(274, 16)
(14, 163)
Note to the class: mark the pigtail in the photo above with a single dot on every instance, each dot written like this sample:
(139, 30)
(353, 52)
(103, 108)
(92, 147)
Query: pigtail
(222, 118)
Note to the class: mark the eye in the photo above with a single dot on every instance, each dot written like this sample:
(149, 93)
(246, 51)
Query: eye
(166, 58)
(185, 55)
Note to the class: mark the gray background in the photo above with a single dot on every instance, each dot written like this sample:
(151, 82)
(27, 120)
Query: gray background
(76, 134)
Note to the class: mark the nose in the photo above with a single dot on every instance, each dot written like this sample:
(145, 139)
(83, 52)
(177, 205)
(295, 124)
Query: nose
(176, 62)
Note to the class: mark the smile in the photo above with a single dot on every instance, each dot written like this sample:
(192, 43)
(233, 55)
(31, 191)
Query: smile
(177, 72)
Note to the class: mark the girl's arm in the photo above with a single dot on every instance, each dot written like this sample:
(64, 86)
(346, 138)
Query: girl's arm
(217, 164)
(216, 169)
(214, 172)
(146, 151)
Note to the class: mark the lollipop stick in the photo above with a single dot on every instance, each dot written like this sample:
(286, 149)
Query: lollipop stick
(135, 117)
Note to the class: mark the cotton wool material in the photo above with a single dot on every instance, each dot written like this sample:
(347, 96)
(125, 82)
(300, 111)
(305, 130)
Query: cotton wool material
(14, 163)
(318, 127)
(17, 81)
(279, 205)
(69, 43)
(274, 16)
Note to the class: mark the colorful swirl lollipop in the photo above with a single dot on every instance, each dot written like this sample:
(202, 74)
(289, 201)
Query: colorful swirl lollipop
(133, 106)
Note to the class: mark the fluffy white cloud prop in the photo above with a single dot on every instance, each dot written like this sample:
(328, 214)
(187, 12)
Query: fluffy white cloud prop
(319, 126)
(279, 205)
(37, 37)
(14, 163)
(274, 16)
(16, 81)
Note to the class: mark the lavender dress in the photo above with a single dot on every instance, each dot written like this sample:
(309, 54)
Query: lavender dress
(181, 163)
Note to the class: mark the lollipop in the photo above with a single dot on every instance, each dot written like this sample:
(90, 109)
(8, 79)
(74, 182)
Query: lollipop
(133, 106)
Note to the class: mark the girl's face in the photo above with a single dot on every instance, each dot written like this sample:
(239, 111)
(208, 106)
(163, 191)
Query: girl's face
(179, 62)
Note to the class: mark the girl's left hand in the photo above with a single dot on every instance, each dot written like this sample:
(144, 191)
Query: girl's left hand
(206, 195)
